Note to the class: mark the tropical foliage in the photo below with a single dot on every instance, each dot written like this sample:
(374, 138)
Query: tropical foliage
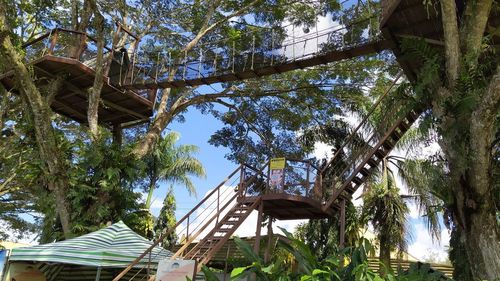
(75, 179)
(352, 265)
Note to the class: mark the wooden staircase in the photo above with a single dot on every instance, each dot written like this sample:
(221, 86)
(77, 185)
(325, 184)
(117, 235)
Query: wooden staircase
(364, 158)
(208, 246)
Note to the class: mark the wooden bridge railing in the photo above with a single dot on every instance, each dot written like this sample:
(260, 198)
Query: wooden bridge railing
(120, 67)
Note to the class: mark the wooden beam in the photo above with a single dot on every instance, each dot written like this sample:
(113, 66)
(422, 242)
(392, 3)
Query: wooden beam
(110, 104)
(70, 110)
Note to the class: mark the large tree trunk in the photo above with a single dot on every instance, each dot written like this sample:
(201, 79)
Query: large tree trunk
(482, 243)
(469, 153)
(44, 132)
(95, 91)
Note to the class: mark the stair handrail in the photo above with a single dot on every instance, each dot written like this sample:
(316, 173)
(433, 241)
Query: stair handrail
(363, 122)
(337, 193)
(243, 182)
(193, 237)
(256, 203)
(170, 230)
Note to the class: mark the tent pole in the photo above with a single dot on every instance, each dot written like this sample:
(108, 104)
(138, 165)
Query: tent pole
(98, 274)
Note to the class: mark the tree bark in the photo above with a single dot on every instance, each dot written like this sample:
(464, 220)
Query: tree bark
(451, 39)
(482, 243)
(44, 132)
(470, 157)
(95, 91)
(384, 255)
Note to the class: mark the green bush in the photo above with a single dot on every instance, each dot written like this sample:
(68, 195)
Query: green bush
(352, 267)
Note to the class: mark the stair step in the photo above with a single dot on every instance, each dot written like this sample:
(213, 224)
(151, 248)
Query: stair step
(357, 180)
(380, 154)
(388, 144)
(351, 188)
(396, 135)
(372, 162)
(364, 172)
(412, 116)
(403, 126)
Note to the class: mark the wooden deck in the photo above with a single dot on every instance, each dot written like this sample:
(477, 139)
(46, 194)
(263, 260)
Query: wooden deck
(118, 106)
(292, 207)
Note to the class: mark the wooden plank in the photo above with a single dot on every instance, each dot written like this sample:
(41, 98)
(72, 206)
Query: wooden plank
(106, 102)
(67, 110)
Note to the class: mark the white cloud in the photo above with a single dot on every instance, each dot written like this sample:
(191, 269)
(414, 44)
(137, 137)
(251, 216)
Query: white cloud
(414, 212)
(300, 44)
(423, 245)
(322, 150)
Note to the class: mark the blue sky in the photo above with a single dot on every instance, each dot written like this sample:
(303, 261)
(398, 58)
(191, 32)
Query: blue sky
(197, 130)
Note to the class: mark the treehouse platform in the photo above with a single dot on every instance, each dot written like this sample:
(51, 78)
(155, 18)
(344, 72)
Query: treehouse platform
(289, 193)
(407, 19)
(291, 207)
(53, 56)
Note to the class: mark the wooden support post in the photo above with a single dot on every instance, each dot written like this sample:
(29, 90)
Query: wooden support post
(307, 184)
(53, 41)
(242, 181)
(267, 255)
(117, 134)
(225, 262)
(256, 246)
(342, 224)
(283, 179)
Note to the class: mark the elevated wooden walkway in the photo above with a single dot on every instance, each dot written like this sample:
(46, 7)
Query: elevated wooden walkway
(298, 189)
(264, 68)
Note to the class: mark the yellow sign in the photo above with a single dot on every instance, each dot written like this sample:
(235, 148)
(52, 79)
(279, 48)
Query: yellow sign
(277, 163)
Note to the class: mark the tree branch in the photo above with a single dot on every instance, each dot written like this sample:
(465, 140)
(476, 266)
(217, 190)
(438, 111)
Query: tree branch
(451, 40)
(242, 115)
(164, 117)
(95, 91)
(475, 18)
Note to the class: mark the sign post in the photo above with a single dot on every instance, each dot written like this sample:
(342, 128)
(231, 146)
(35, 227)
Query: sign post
(277, 173)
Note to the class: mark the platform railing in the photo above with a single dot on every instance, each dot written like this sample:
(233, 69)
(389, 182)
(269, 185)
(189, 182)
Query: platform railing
(298, 177)
(64, 43)
(81, 46)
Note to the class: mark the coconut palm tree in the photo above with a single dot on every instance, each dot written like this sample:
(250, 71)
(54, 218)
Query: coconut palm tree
(386, 210)
(171, 163)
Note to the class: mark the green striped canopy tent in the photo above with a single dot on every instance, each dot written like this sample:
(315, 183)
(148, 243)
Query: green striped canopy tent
(98, 254)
